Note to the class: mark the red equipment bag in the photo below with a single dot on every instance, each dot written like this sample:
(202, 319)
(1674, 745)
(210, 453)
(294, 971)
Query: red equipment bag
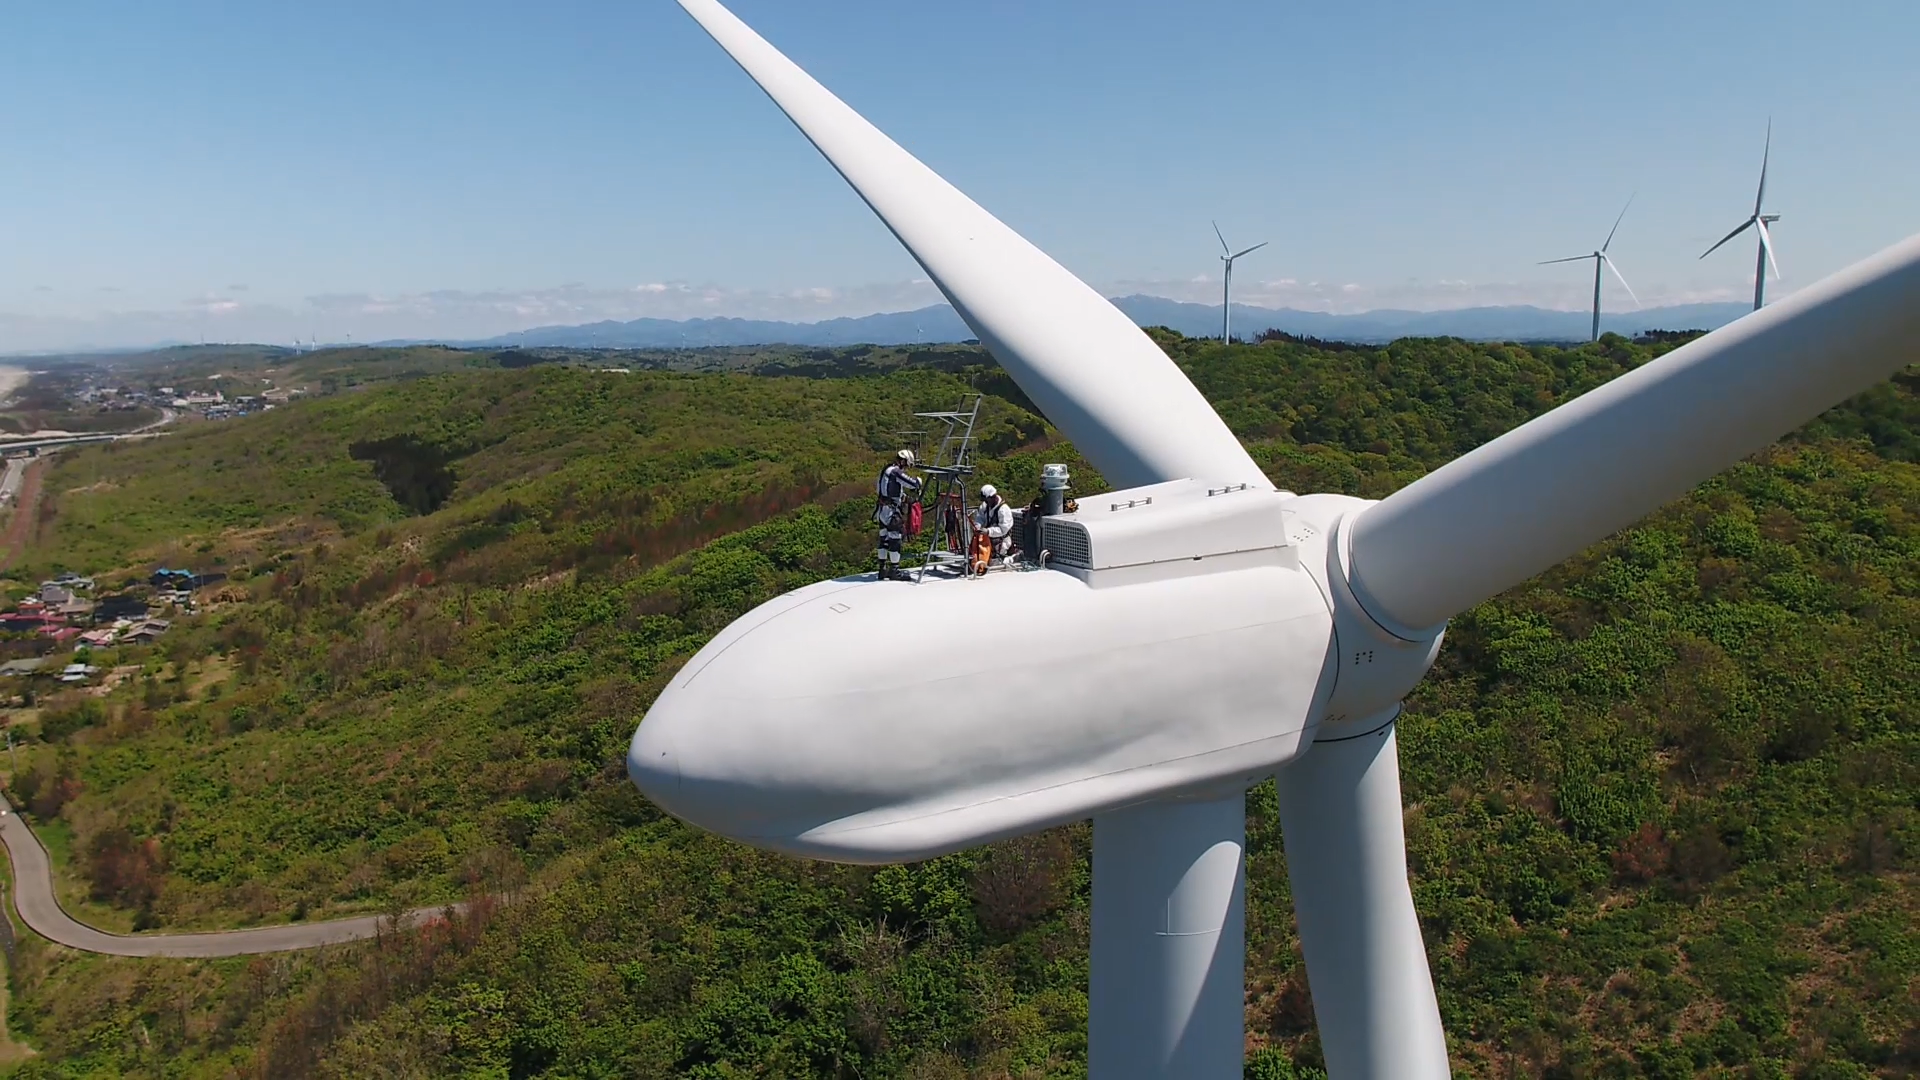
(913, 520)
(982, 555)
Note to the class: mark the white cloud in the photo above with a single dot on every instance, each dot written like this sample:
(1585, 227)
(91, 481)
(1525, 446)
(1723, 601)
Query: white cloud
(212, 305)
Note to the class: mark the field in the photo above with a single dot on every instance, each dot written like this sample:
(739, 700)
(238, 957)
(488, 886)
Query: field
(1661, 801)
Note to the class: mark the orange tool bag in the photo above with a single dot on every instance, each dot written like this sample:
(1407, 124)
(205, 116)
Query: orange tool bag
(982, 552)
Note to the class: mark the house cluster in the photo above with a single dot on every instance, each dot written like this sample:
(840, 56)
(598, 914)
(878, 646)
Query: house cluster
(66, 612)
(212, 404)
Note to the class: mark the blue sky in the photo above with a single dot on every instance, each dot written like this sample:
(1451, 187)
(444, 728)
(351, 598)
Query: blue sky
(245, 170)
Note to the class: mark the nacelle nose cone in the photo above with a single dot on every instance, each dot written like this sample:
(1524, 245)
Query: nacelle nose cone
(1029, 698)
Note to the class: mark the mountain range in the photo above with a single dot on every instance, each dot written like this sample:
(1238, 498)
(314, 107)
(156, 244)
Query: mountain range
(939, 324)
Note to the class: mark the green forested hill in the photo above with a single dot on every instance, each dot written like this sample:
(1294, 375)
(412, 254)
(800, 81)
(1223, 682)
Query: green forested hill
(1661, 802)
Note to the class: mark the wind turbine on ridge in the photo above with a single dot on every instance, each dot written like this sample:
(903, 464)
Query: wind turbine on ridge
(1600, 259)
(1194, 633)
(1758, 220)
(1228, 255)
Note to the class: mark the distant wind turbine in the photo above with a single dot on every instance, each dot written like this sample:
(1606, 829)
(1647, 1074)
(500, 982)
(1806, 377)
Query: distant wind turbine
(1600, 258)
(1758, 221)
(1227, 255)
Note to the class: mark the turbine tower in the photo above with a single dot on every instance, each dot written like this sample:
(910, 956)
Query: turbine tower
(1600, 259)
(1758, 221)
(1228, 255)
(1195, 633)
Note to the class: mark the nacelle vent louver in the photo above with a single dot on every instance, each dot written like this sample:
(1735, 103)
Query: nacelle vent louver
(1066, 542)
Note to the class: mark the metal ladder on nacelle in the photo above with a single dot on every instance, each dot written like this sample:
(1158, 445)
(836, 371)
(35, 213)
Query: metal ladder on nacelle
(947, 470)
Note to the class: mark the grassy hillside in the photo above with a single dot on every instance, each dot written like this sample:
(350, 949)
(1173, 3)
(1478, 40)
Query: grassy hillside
(252, 369)
(255, 369)
(1662, 809)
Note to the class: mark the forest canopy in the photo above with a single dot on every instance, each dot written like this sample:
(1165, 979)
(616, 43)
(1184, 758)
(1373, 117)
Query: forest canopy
(1661, 801)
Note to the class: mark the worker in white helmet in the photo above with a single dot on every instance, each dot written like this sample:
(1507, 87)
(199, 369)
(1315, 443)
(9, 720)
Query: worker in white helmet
(994, 518)
(892, 492)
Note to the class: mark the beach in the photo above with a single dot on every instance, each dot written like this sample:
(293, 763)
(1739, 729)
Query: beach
(12, 379)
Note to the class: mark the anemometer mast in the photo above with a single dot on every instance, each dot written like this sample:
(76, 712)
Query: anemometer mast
(949, 466)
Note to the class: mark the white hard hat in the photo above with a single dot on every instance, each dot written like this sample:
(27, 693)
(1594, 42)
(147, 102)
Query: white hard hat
(988, 491)
(905, 456)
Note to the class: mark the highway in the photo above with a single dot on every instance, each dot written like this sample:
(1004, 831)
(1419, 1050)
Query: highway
(54, 440)
(10, 481)
(33, 898)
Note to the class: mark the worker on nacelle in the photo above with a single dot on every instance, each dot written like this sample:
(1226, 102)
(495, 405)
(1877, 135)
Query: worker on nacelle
(890, 511)
(994, 518)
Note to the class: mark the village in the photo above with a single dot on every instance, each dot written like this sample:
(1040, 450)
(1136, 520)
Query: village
(211, 404)
(65, 619)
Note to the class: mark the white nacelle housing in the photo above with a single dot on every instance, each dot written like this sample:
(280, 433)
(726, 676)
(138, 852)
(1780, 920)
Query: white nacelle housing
(868, 721)
(1151, 531)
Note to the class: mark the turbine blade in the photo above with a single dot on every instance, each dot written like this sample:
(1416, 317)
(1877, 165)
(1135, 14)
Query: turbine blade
(1342, 821)
(1223, 240)
(1743, 228)
(1250, 250)
(1616, 274)
(1570, 258)
(1094, 374)
(1766, 243)
(1765, 155)
(1498, 515)
(1616, 222)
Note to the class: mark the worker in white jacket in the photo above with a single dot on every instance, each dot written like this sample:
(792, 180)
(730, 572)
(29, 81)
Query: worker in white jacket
(995, 518)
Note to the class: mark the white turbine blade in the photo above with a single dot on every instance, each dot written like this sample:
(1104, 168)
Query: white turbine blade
(1095, 375)
(1538, 494)
(1223, 240)
(1342, 821)
(1766, 154)
(1744, 226)
(1617, 221)
(1570, 258)
(1616, 275)
(1766, 244)
(1250, 250)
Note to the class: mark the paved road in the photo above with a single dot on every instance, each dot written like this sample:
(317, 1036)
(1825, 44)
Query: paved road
(33, 898)
(167, 416)
(10, 480)
(49, 442)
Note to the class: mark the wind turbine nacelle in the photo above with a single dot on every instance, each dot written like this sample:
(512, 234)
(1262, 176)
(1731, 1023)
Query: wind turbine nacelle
(1174, 642)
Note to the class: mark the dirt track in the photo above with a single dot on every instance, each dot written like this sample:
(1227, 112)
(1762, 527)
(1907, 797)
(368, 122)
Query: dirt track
(25, 516)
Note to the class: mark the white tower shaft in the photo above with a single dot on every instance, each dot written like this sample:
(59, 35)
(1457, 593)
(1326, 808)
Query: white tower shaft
(1596, 298)
(1169, 941)
(1226, 306)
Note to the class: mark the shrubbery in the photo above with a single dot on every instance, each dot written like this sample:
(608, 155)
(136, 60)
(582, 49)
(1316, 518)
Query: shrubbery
(1660, 806)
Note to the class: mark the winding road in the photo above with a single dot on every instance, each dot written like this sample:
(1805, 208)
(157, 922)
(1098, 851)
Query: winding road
(33, 898)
